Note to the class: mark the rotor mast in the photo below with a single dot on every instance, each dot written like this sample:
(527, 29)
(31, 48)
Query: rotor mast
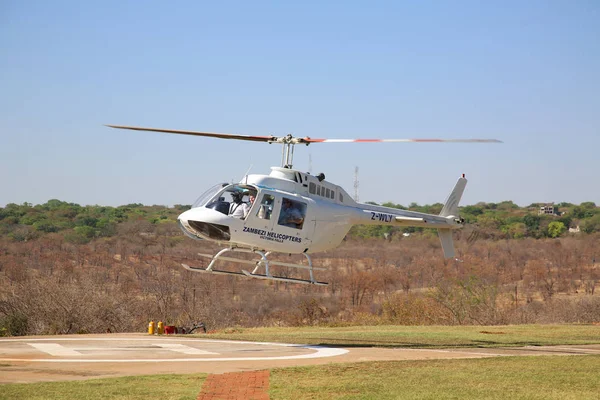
(287, 155)
(287, 151)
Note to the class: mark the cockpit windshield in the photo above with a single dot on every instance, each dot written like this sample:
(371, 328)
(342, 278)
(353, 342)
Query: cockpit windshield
(230, 199)
(208, 195)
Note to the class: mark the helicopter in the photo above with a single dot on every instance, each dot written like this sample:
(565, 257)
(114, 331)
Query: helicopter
(294, 212)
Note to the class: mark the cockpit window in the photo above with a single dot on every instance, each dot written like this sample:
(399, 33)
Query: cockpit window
(266, 207)
(208, 195)
(233, 200)
(292, 213)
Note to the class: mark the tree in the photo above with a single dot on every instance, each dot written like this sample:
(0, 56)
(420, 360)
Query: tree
(489, 221)
(507, 205)
(46, 226)
(472, 210)
(565, 219)
(556, 228)
(516, 230)
(532, 222)
(591, 225)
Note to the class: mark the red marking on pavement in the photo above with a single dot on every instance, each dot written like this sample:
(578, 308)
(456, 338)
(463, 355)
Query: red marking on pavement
(251, 385)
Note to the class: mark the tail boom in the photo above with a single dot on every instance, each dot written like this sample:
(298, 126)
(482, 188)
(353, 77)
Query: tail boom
(445, 222)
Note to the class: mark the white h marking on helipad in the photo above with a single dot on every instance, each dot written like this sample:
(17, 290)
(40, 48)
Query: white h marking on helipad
(54, 349)
(180, 348)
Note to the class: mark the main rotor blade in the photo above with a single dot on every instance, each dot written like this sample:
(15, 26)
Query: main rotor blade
(309, 140)
(193, 133)
(296, 140)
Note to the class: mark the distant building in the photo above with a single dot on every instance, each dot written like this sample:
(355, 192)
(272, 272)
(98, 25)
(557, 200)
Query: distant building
(548, 209)
(574, 230)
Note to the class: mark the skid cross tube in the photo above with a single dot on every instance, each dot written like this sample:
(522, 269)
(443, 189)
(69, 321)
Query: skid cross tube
(264, 261)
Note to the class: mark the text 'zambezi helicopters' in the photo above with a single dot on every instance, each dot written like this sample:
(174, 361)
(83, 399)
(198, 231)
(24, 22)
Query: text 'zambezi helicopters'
(294, 212)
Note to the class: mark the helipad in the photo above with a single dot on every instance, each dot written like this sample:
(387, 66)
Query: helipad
(29, 359)
(159, 349)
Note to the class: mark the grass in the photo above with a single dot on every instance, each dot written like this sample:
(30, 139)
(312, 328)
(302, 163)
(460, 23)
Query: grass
(540, 377)
(543, 377)
(421, 336)
(164, 387)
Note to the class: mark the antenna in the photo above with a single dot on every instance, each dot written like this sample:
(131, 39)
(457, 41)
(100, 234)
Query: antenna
(356, 184)
(246, 174)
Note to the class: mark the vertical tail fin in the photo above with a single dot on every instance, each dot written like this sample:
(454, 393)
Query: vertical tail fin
(451, 210)
(451, 206)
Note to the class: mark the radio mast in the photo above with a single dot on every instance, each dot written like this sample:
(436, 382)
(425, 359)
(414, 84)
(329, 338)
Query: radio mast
(356, 184)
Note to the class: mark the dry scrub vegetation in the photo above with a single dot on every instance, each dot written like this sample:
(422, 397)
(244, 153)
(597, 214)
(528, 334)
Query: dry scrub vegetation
(49, 285)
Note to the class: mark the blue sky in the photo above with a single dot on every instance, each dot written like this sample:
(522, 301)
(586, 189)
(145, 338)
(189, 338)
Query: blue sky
(522, 72)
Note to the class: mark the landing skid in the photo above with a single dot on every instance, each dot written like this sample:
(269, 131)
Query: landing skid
(257, 265)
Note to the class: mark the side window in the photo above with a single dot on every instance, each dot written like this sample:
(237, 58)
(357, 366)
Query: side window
(292, 213)
(328, 193)
(332, 195)
(341, 198)
(266, 207)
(312, 188)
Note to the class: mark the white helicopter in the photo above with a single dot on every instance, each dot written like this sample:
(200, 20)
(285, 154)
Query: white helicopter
(294, 212)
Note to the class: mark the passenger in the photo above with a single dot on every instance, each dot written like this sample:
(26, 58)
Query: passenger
(290, 216)
(237, 208)
(251, 198)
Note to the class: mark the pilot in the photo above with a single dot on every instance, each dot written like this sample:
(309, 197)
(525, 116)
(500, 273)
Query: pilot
(290, 216)
(237, 208)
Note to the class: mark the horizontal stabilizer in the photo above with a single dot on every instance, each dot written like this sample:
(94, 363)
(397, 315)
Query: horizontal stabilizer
(409, 219)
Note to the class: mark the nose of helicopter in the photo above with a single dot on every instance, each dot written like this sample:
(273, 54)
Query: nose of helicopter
(184, 216)
(203, 223)
(183, 221)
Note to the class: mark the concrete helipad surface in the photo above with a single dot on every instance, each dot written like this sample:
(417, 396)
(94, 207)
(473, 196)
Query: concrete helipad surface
(49, 358)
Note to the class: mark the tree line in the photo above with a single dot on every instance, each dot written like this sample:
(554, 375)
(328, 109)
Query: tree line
(81, 224)
(505, 220)
(66, 268)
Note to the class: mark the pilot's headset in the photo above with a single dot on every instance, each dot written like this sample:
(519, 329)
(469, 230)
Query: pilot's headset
(237, 197)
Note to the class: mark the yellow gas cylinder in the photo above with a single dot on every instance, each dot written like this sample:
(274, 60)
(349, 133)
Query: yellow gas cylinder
(160, 328)
(151, 327)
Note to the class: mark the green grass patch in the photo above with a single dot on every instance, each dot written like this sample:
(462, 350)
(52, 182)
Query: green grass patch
(163, 387)
(533, 377)
(539, 377)
(421, 336)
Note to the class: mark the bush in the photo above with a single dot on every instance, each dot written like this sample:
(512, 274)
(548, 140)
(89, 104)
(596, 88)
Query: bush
(14, 325)
(411, 309)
